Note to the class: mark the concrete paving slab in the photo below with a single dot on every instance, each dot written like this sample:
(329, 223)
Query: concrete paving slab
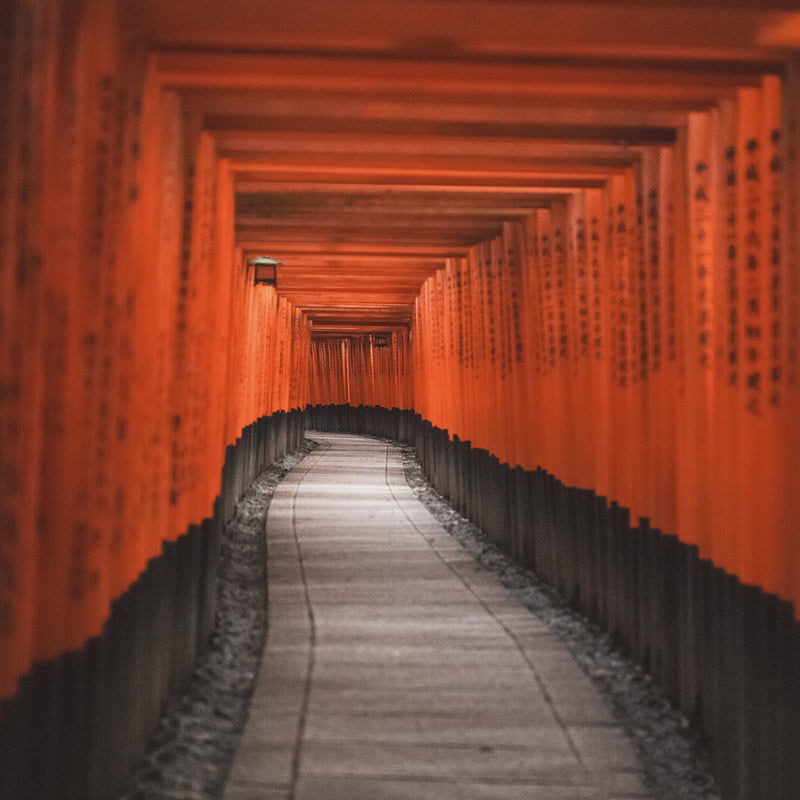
(382, 654)
(604, 748)
(375, 574)
(547, 652)
(288, 638)
(482, 762)
(257, 762)
(430, 593)
(370, 789)
(420, 637)
(269, 728)
(529, 705)
(266, 700)
(624, 783)
(397, 667)
(440, 676)
(288, 687)
(258, 791)
(442, 730)
(582, 711)
(452, 616)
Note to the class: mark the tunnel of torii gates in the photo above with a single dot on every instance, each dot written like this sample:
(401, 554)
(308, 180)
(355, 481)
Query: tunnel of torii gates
(552, 245)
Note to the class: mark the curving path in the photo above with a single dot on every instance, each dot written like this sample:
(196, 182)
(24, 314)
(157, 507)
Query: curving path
(395, 667)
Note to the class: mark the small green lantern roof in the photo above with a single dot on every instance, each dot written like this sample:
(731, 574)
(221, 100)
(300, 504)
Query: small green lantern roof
(265, 261)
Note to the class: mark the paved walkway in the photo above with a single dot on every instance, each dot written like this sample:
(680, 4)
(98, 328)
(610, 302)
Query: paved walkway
(396, 667)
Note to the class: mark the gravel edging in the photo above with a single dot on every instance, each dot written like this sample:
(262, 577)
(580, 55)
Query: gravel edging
(667, 745)
(190, 754)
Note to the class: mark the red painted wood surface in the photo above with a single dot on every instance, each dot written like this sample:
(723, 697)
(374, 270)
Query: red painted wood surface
(578, 229)
(657, 350)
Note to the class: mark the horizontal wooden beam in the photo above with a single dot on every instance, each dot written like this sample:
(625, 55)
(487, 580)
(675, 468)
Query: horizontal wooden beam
(344, 300)
(382, 149)
(338, 331)
(472, 129)
(216, 108)
(285, 250)
(731, 31)
(433, 235)
(283, 204)
(565, 78)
